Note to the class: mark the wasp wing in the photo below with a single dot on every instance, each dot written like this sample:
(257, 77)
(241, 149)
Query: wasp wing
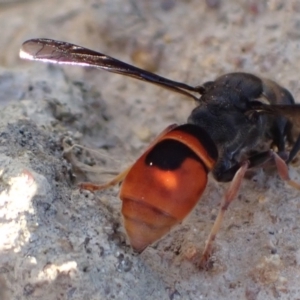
(53, 51)
(291, 112)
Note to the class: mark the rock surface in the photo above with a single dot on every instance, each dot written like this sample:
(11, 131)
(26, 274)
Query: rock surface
(57, 242)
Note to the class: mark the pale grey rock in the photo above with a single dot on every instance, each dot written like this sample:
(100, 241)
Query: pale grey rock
(57, 242)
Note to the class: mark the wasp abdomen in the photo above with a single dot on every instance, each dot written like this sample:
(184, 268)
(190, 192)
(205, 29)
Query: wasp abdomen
(163, 186)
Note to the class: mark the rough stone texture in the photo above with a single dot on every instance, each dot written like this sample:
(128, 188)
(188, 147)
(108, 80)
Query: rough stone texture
(59, 243)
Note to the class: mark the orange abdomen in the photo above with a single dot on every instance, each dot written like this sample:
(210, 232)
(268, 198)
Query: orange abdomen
(163, 186)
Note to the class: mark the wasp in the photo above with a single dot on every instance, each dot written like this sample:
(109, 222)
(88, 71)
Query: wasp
(240, 122)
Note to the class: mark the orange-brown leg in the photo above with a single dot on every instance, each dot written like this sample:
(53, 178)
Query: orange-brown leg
(228, 198)
(121, 176)
(284, 171)
(98, 187)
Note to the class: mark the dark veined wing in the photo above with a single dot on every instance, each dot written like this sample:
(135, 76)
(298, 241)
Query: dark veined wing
(53, 51)
(291, 112)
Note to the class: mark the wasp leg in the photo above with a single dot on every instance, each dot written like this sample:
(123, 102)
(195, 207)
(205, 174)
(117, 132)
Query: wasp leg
(284, 171)
(294, 150)
(121, 176)
(255, 160)
(228, 198)
(98, 187)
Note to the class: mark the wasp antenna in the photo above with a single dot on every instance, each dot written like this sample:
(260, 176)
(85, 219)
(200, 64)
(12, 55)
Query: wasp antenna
(199, 89)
